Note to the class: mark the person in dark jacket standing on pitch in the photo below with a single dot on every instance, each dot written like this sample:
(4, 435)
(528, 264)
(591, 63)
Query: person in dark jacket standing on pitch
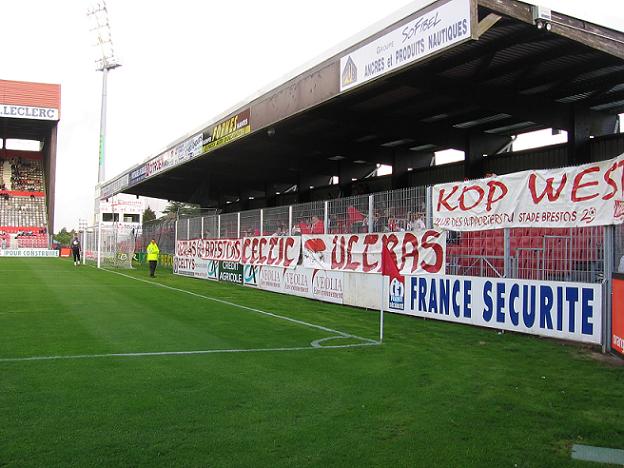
(75, 246)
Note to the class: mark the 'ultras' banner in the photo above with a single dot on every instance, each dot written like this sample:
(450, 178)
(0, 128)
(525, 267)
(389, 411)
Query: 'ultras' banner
(272, 251)
(587, 195)
(413, 252)
(571, 311)
(228, 250)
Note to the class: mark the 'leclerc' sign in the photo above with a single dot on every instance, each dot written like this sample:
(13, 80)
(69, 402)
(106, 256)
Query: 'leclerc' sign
(26, 112)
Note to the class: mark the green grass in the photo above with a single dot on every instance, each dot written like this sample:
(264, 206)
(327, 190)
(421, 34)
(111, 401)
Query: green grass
(434, 394)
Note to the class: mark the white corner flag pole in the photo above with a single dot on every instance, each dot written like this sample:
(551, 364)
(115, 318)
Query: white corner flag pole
(99, 244)
(381, 308)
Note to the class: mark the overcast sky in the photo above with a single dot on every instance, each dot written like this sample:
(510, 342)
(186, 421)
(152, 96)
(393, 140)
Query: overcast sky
(184, 62)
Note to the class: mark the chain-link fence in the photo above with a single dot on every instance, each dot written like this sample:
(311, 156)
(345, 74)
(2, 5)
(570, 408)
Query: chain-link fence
(349, 215)
(163, 230)
(228, 225)
(552, 254)
(276, 221)
(400, 210)
(555, 254)
(307, 215)
(250, 223)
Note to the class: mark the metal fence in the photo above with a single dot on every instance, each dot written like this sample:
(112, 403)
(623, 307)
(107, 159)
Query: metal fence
(566, 254)
(163, 230)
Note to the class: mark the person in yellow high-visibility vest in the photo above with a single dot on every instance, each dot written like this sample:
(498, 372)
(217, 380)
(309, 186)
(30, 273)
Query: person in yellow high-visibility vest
(152, 256)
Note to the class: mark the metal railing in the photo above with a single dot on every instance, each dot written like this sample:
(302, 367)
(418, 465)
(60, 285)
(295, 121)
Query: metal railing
(556, 254)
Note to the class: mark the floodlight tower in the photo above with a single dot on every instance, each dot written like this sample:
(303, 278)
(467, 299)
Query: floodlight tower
(107, 61)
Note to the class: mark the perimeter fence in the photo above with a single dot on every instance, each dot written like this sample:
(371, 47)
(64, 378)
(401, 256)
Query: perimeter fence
(536, 253)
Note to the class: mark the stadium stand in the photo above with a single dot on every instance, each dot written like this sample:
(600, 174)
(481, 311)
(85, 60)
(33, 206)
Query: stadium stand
(23, 214)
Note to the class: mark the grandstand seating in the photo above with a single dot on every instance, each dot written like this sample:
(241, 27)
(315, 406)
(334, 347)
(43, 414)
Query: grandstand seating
(23, 216)
(536, 253)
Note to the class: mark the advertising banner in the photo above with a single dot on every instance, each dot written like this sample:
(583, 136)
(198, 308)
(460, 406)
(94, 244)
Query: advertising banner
(617, 314)
(28, 253)
(421, 252)
(587, 195)
(231, 272)
(226, 131)
(431, 32)
(328, 286)
(570, 311)
(210, 249)
(250, 275)
(296, 282)
(137, 175)
(271, 279)
(272, 251)
(192, 266)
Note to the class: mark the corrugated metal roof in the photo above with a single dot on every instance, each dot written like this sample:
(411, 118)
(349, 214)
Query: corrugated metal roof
(23, 93)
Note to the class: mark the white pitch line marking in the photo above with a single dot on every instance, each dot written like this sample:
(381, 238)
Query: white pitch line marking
(180, 353)
(233, 304)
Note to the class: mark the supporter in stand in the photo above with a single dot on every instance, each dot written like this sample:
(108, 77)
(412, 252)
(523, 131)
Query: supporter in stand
(415, 222)
(303, 228)
(356, 220)
(317, 226)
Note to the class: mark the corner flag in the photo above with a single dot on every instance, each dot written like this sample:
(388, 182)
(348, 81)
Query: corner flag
(388, 265)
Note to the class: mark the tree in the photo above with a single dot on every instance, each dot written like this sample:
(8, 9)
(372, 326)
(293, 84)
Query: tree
(148, 215)
(182, 209)
(64, 237)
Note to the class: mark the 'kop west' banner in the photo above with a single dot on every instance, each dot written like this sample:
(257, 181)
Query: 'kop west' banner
(272, 251)
(587, 195)
(413, 252)
(228, 250)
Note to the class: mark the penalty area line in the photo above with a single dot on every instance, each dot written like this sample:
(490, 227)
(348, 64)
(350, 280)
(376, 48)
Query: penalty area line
(181, 353)
(251, 309)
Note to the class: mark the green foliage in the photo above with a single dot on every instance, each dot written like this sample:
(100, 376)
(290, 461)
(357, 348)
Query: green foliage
(64, 237)
(148, 215)
(182, 209)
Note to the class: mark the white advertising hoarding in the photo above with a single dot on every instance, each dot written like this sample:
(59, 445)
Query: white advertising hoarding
(570, 311)
(433, 31)
(28, 253)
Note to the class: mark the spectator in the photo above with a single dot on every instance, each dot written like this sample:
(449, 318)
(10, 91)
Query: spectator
(317, 226)
(416, 222)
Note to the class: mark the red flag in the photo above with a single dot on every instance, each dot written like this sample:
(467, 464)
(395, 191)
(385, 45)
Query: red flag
(388, 265)
(354, 215)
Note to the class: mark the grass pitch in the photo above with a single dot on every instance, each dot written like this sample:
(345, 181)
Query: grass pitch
(88, 376)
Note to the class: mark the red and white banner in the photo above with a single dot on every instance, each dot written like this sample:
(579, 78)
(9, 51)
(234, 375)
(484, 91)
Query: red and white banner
(228, 250)
(272, 251)
(413, 252)
(587, 195)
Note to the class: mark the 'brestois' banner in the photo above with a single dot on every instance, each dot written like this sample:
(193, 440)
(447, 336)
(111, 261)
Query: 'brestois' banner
(273, 251)
(228, 250)
(587, 195)
(413, 252)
